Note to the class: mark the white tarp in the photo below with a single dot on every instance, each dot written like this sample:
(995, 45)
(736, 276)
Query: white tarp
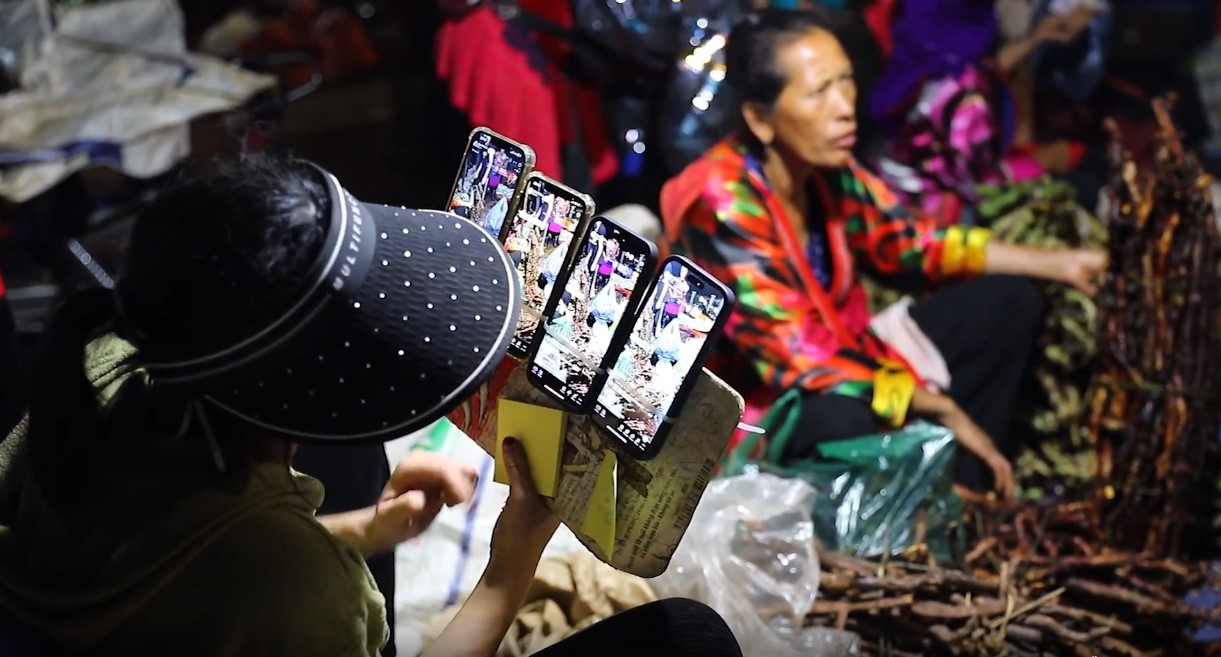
(110, 84)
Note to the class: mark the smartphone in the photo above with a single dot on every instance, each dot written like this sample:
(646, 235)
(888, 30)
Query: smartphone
(672, 336)
(539, 241)
(490, 180)
(584, 319)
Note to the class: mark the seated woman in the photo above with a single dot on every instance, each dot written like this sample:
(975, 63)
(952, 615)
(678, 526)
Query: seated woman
(148, 504)
(945, 106)
(783, 214)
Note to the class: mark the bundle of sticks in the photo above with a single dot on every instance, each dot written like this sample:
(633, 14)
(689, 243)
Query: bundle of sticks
(1153, 410)
(1097, 576)
(1035, 586)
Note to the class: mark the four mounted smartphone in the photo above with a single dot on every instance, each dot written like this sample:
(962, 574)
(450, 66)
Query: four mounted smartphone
(603, 328)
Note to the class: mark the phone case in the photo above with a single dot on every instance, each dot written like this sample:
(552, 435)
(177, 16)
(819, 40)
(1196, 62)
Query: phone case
(577, 238)
(621, 331)
(655, 500)
(684, 390)
(528, 160)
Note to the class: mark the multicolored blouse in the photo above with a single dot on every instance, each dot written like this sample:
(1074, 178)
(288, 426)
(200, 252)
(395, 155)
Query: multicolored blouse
(955, 136)
(787, 329)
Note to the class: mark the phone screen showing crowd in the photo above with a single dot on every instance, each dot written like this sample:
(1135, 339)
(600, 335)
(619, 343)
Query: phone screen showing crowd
(669, 340)
(487, 179)
(539, 241)
(584, 315)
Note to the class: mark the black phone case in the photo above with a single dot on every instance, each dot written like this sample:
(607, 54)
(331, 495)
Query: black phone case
(618, 339)
(684, 390)
(577, 238)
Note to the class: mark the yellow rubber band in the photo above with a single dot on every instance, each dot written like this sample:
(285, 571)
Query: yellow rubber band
(893, 387)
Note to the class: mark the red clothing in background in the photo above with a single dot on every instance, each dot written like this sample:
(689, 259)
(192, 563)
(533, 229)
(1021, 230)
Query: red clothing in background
(880, 16)
(505, 78)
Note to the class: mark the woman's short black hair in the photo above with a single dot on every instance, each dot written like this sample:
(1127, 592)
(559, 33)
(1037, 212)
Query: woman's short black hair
(223, 248)
(752, 73)
(213, 256)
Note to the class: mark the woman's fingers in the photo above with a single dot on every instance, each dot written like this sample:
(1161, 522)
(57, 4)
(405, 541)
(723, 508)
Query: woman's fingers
(1002, 474)
(452, 480)
(518, 467)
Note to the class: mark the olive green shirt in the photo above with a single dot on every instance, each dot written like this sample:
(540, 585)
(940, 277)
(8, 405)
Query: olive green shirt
(179, 560)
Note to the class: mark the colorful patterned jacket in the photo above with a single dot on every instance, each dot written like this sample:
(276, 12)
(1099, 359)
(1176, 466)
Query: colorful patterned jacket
(787, 330)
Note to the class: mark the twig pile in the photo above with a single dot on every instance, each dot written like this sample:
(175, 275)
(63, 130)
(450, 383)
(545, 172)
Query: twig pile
(1035, 586)
(1094, 577)
(1153, 411)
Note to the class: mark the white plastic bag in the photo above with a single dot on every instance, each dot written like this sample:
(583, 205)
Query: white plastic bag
(749, 554)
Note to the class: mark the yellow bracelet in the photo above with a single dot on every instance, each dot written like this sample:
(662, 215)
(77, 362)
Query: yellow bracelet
(953, 250)
(977, 249)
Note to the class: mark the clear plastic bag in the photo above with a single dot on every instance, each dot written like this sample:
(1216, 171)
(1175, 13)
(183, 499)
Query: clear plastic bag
(749, 554)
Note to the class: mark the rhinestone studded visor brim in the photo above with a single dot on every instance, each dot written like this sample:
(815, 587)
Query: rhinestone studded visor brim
(430, 322)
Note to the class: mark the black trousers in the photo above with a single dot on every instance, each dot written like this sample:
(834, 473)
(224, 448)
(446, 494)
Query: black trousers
(985, 329)
(354, 478)
(675, 627)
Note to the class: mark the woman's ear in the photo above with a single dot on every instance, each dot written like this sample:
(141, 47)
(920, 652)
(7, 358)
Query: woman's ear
(758, 121)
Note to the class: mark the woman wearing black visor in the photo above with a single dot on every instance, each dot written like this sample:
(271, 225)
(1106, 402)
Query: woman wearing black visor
(148, 504)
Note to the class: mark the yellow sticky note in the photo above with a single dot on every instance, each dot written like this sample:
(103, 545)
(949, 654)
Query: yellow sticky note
(540, 430)
(599, 521)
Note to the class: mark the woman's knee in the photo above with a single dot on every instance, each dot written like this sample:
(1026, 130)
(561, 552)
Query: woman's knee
(837, 417)
(694, 628)
(1017, 300)
(827, 418)
(689, 609)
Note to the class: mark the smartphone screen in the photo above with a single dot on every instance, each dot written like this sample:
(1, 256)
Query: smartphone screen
(539, 241)
(487, 179)
(669, 339)
(583, 316)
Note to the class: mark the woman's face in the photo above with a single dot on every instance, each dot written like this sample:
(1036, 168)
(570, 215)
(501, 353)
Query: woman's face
(814, 119)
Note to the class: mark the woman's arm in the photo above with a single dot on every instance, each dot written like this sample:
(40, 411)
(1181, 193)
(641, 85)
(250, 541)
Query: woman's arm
(1081, 269)
(479, 627)
(1052, 29)
(352, 527)
(892, 239)
(942, 410)
(1012, 54)
(521, 534)
(420, 485)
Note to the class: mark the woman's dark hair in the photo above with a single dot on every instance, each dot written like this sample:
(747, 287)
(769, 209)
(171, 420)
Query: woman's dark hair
(751, 71)
(210, 258)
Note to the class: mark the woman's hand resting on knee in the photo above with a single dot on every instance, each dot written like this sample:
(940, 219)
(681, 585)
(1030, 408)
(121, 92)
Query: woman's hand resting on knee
(945, 412)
